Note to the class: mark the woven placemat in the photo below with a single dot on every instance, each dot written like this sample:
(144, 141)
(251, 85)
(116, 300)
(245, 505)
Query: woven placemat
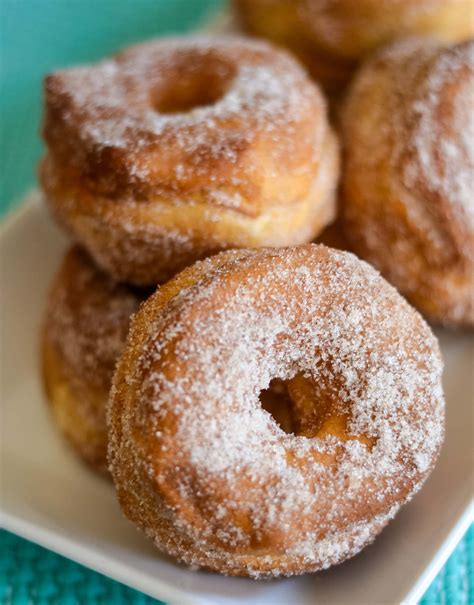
(33, 575)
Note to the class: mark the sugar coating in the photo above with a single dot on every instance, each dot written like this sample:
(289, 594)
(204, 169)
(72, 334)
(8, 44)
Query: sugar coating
(149, 243)
(86, 322)
(411, 163)
(443, 136)
(207, 472)
(87, 319)
(263, 89)
(182, 147)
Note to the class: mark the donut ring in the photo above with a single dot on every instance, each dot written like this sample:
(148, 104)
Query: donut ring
(208, 474)
(407, 205)
(85, 326)
(332, 36)
(179, 148)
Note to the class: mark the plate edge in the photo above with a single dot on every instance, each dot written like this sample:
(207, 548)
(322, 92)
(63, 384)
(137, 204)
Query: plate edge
(454, 537)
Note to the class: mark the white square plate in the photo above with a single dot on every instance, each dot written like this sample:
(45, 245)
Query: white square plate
(50, 498)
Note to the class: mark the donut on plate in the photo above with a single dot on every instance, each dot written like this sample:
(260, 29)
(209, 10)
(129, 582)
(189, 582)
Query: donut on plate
(332, 36)
(85, 327)
(205, 470)
(179, 148)
(408, 205)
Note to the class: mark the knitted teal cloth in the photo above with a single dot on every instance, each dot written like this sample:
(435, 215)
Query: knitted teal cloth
(35, 37)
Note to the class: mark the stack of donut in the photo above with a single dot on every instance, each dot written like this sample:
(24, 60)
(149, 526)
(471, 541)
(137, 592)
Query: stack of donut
(263, 404)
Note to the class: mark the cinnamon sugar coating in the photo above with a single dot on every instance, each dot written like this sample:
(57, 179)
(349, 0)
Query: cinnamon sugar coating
(85, 326)
(409, 173)
(179, 148)
(332, 36)
(209, 475)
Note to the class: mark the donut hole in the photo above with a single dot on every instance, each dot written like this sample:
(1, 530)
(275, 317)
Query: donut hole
(199, 83)
(277, 402)
(301, 406)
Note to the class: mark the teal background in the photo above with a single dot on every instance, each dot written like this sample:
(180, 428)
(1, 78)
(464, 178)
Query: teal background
(37, 36)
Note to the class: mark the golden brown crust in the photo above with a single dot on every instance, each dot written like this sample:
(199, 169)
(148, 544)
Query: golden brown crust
(206, 472)
(149, 243)
(281, 21)
(85, 326)
(332, 36)
(407, 204)
(235, 152)
(352, 30)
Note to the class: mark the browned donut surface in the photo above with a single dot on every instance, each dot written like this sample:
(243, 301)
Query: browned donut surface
(85, 327)
(332, 36)
(408, 206)
(352, 30)
(182, 147)
(209, 474)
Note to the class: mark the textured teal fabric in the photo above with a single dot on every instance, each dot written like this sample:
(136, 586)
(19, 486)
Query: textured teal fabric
(35, 37)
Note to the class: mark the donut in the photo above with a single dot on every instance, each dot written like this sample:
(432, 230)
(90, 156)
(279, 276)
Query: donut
(202, 466)
(332, 36)
(282, 22)
(84, 330)
(180, 148)
(408, 180)
(334, 236)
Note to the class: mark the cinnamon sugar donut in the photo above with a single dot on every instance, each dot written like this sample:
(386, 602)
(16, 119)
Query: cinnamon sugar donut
(179, 148)
(332, 36)
(409, 175)
(86, 323)
(208, 474)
